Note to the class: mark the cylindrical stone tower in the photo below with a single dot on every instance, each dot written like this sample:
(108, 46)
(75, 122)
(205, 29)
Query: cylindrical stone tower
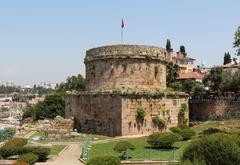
(125, 67)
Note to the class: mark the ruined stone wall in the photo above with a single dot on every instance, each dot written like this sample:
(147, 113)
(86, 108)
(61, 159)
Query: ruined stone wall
(204, 109)
(120, 67)
(116, 114)
(95, 113)
(165, 108)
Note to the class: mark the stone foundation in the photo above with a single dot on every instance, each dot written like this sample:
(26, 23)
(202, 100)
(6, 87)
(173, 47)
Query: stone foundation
(116, 114)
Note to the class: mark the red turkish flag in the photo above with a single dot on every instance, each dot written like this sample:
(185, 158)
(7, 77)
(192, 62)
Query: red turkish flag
(122, 24)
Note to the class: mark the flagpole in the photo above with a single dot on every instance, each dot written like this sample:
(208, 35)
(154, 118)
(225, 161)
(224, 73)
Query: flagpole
(121, 35)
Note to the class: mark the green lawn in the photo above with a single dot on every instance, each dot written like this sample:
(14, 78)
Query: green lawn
(56, 149)
(143, 150)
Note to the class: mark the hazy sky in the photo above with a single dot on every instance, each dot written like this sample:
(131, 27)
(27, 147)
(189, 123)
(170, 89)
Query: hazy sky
(46, 40)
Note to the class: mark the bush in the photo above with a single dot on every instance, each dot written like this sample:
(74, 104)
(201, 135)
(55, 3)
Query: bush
(141, 113)
(104, 160)
(157, 121)
(211, 131)
(123, 146)
(41, 152)
(175, 130)
(183, 126)
(29, 158)
(184, 108)
(163, 140)
(9, 150)
(16, 142)
(7, 134)
(187, 133)
(214, 149)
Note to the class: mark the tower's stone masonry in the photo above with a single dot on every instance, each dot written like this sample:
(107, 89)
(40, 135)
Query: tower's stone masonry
(125, 66)
(120, 79)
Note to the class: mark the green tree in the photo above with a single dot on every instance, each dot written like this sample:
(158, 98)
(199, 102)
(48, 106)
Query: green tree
(29, 111)
(168, 45)
(236, 43)
(230, 81)
(214, 78)
(52, 106)
(72, 83)
(176, 86)
(182, 50)
(227, 58)
(172, 72)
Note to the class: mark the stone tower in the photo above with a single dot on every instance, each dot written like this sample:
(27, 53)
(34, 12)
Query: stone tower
(122, 67)
(121, 79)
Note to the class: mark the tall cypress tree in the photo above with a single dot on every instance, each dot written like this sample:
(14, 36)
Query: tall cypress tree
(182, 50)
(168, 45)
(227, 58)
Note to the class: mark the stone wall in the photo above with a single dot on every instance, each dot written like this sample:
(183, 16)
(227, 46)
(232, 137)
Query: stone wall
(116, 114)
(121, 67)
(204, 109)
(163, 107)
(95, 113)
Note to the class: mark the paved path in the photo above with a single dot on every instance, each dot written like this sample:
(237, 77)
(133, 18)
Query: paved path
(68, 157)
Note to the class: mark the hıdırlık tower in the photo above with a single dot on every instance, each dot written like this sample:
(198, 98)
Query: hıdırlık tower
(120, 81)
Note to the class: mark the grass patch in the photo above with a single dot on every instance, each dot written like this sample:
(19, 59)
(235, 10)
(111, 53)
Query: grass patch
(142, 151)
(56, 149)
(205, 125)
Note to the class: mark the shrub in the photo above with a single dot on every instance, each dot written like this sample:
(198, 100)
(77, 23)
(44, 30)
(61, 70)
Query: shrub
(123, 146)
(187, 133)
(29, 158)
(175, 130)
(141, 113)
(16, 142)
(157, 121)
(183, 126)
(163, 140)
(104, 160)
(7, 134)
(184, 108)
(214, 149)
(41, 152)
(210, 131)
(9, 150)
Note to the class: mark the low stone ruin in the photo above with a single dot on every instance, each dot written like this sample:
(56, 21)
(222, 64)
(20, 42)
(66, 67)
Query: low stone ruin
(56, 127)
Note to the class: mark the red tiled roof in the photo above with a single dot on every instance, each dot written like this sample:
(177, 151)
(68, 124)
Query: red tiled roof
(191, 75)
